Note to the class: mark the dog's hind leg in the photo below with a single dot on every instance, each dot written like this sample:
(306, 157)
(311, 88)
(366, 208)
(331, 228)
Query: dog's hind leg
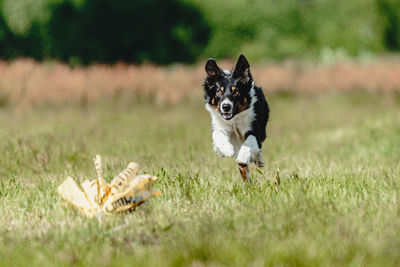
(259, 159)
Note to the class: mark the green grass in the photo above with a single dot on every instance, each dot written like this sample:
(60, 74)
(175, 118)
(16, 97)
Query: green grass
(338, 201)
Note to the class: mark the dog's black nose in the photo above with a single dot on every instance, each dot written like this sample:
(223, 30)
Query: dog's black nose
(226, 107)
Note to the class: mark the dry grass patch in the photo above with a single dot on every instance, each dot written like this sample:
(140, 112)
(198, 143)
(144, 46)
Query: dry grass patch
(26, 83)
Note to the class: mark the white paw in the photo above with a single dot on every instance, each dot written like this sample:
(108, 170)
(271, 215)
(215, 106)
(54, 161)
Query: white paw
(244, 156)
(225, 150)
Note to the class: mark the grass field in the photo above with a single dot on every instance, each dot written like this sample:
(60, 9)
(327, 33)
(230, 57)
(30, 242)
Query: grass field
(337, 203)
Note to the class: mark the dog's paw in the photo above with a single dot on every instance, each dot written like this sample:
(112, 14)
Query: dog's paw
(226, 150)
(259, 160)
(244, 156)
(260, 163)
(244, 171)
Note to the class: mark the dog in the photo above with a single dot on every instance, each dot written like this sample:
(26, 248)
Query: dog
(239, 113)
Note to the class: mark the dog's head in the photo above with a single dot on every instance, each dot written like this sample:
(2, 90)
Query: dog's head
(228, 91)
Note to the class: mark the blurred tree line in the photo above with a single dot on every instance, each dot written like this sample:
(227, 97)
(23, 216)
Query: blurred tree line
(165, 31)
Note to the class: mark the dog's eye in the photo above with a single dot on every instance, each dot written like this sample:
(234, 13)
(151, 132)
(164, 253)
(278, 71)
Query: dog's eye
(220, 90)
(235, 92)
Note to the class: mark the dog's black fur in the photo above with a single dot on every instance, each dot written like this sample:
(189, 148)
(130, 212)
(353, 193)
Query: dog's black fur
(236, 92)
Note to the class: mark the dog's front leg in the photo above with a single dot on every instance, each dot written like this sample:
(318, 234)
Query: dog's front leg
(222, 144)
(249, 151)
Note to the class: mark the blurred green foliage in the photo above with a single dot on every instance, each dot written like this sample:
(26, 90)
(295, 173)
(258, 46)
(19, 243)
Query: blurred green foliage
(87, 31)
(165, 31)
(266, 29)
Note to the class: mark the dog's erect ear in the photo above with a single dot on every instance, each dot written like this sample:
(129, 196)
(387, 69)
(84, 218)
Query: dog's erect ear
(212, 68)
(242, 69)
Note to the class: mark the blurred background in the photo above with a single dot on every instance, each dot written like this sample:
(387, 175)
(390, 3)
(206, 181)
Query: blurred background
(168, 31)
(61, 49)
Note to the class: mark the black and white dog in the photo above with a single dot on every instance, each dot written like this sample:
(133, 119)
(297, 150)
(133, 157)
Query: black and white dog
(239, 113)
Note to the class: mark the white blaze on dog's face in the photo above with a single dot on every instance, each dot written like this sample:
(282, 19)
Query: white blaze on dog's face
(228, 91)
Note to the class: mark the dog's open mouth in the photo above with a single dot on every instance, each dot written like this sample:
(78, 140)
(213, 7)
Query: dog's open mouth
(227, 116)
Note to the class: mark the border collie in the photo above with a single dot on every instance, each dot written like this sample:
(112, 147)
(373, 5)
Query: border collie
(239, 113)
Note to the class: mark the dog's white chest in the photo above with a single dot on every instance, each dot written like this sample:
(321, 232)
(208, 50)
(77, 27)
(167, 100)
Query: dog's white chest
(240, 126)
(236, 128)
